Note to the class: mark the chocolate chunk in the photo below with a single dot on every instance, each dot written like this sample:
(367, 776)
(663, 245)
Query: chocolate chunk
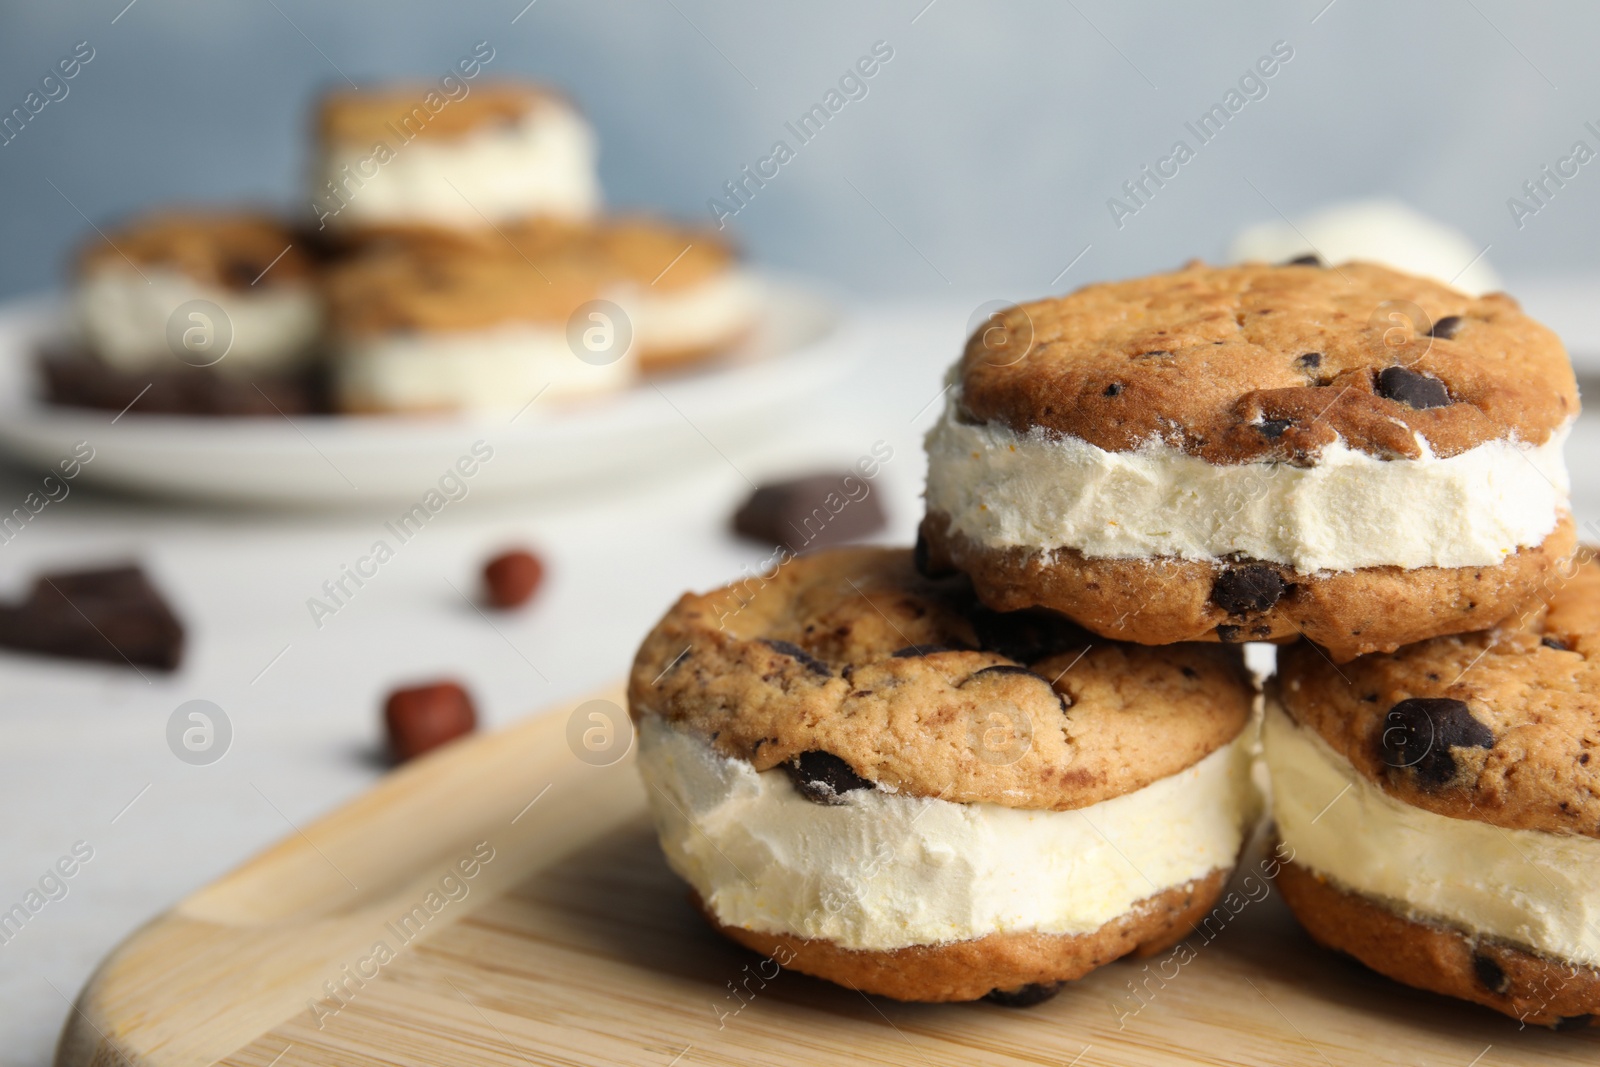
(240, 273)
(1420, 733)
(1026, 636)
(1573, 1022)
(1155, 354)
(424, 717)
(919, 555)
(114, 615)
(795, 652)
(1228, 633)
(1408, 387)
(811, 512)
(1189, 672)
(1024, 996)
(823, 778)
(512, 578)
(1273, 428)
(1113, 389)
(1310, 259)
(1310, 359)
(1555, 643)
(1446, 327)
(1014, 669)
(1490, 974)
(911, 651)
(1242, 590)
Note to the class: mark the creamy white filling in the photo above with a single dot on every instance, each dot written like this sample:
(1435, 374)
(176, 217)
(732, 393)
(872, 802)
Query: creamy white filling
(710, 313)
(883, 871)
(543, 164)
(124, 316)
(1474, 509)
(1535, 889)
(495, 369)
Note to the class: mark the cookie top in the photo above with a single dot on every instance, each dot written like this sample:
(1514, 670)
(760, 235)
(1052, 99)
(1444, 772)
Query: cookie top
(1501, 726)
(369, 116)
(227, 249)
(851, 655)
(1258, 362)
(534, 271)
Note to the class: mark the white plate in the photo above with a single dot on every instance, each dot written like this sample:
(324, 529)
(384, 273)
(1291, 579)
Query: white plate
(364, 461)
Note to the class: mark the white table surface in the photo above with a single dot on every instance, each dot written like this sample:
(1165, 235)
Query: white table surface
(81, 742)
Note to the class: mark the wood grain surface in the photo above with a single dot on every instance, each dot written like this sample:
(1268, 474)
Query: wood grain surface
(575, 945)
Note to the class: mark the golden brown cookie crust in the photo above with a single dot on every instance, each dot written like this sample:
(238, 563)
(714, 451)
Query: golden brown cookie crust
(932, 722)
(1200, 357)
(228, 249)
(969, 970)
(1162, 600)
(1530, 686)
(363, 118)
(1532, 989)
(534, 271)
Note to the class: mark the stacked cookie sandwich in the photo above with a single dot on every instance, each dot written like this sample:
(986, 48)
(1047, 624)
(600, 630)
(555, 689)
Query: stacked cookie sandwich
(965, 771)
(457, 261)
(1367, 466)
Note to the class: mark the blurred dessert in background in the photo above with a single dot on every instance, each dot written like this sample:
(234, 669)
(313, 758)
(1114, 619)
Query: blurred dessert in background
(683, 290)
(547, 309)
(1381, 231)
(404, 158)
(204, 312)
(418, 328)
(458, 262)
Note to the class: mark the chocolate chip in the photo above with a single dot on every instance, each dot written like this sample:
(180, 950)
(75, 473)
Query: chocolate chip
(1446, 327)
(1025, 996)
(810, 512)
(1408, 387)
(1189, 672)
(512, 578)
(1009, 668)
(1420, 733)
(424, 717)
(1554, 642)
(1242, 590)
(919, 555)
(1227, 633)
(911, 651)
(240, 273)
(1490, 974)
(1310, 359)
(795, 652)
(1026, 636)
(115, 615)
(1001, 669)
(823, 778)
(1573, 1022)
(1310, 259)
(1113, 389)
(1155, 354)
(1272, 429)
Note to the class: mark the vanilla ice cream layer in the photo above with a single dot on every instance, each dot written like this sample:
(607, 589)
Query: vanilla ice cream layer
(1044, 492)
(1532, 888)
(127, 319)
(883, 871)
(541, 165)
(710, 313)
(497, 369)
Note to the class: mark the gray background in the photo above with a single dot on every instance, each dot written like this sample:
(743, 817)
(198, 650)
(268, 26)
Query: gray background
(982, 157)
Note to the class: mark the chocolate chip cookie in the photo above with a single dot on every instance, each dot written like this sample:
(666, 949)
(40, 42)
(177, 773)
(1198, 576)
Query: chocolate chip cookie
(910, 793)
(1347, 453)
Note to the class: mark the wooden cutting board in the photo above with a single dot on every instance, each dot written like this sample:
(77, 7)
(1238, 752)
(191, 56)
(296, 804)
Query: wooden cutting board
(571, 943)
